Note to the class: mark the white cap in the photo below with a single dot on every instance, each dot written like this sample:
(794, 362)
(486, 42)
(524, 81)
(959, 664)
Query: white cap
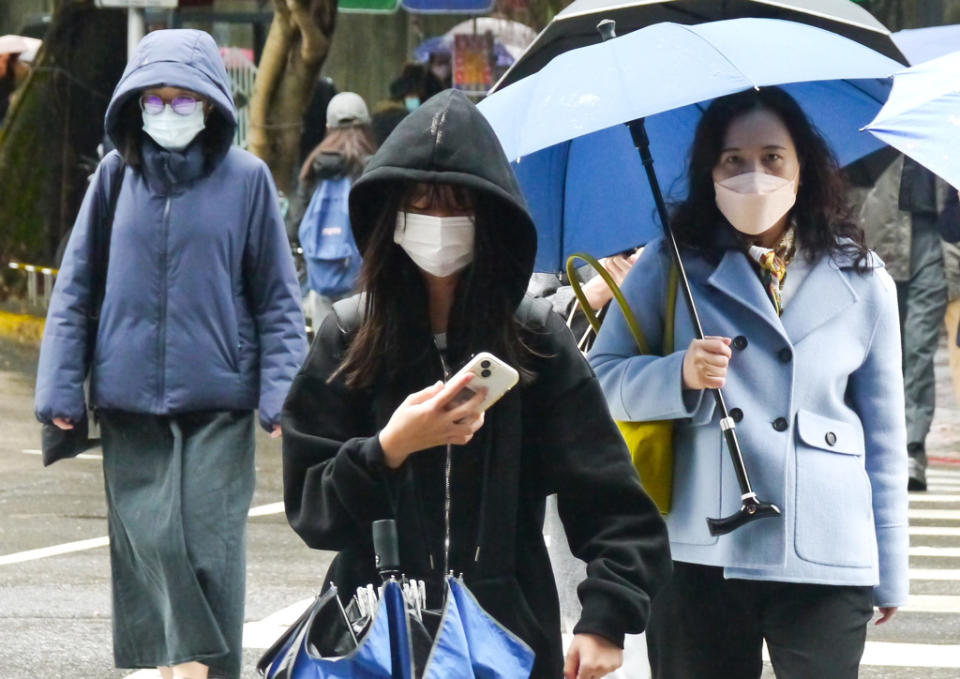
(345, 109)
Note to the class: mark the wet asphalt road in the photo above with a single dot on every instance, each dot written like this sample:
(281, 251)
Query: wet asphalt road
(55, 610)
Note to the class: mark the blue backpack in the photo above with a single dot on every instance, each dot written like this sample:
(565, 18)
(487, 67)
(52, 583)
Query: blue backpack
(333, 261)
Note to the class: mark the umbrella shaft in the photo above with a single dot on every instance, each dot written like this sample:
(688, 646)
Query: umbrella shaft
(639, 133)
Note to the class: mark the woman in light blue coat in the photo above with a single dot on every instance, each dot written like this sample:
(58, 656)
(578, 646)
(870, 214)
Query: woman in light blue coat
(804, 341)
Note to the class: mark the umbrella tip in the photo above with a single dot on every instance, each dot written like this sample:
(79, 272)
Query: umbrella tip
(607, 29)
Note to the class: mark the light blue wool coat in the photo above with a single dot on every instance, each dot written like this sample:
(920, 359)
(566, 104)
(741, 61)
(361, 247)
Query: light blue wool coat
(831, 363)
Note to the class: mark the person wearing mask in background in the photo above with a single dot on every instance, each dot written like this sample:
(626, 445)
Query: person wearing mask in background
(332, 259)
(448, 249)
(898, 212)
(407, 92)
(200, 325)
(440, 76)
(803, 337)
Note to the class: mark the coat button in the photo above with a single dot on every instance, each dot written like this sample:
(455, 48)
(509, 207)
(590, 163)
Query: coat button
(785, 355)
(736, 414)
(740, 342)
(780, 424)
(830, 438)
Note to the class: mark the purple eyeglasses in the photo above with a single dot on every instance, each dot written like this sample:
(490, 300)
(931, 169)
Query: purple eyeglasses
(183, 104)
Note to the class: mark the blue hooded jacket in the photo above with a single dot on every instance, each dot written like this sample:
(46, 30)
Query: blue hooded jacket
(202, 306)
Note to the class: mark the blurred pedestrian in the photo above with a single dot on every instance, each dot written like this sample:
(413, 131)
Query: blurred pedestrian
(407, 93)
(370, 431)
(16, 54)
(804, 341)
(898, 213)
(332, 259)
(200, 325)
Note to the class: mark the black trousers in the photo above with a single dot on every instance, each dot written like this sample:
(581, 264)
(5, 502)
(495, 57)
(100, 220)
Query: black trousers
(703, 627)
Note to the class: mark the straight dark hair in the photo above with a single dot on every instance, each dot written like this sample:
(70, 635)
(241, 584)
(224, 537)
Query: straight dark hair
(822, 213)
(396, 321)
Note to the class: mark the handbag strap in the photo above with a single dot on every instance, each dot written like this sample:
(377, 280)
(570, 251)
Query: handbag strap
(628, 315)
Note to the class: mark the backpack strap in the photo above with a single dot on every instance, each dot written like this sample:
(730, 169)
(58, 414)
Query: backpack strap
(533, 311)
(349, 312)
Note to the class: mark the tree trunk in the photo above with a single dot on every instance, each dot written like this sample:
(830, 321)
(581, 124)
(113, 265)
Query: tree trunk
(297, 44)
(52, 129)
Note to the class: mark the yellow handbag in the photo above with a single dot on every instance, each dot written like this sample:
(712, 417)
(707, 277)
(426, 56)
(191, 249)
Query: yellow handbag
(650, 443)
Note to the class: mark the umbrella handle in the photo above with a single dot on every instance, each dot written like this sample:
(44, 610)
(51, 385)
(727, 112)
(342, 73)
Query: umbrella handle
(751, 508)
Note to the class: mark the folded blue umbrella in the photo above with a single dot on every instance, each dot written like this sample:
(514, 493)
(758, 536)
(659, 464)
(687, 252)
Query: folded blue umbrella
(563, 127)
(922, 116)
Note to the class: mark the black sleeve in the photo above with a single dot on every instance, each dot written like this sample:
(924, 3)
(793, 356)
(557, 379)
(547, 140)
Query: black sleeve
(334, 480)
(948, 224)
(610, 522)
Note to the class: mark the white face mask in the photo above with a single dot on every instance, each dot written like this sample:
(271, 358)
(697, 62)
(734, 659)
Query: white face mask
(173, 131)
(753, 202)
(441, 246)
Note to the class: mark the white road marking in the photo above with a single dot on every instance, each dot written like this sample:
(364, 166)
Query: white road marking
(939, 514)
(934, 574)
(953, 531)
(932, 603)
(893, 654)
(933, 497)
(940, 552)
(94, 543)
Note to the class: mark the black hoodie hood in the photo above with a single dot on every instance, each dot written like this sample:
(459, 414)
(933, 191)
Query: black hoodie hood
(448, 141)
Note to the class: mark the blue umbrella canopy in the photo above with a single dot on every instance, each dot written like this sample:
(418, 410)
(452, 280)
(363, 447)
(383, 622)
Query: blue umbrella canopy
(922, 116)
(563, 126)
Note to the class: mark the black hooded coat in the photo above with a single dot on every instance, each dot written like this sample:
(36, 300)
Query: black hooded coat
(552, 434)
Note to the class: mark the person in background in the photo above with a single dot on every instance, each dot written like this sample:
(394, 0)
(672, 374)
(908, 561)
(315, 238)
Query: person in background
(314, 118)
(370, 430)
(332, 259)
(200, 325)
(407, 92)
(898, 212)
(803, 338)
(13, 70)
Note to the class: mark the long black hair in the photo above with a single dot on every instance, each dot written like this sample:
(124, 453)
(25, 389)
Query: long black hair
(822, 212)
(396, 318)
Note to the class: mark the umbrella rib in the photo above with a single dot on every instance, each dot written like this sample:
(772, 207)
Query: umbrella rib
(716, 49)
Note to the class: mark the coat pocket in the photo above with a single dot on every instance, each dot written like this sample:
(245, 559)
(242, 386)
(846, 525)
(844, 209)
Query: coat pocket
(834, 507)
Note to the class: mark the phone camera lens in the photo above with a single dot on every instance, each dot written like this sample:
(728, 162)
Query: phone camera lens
(484, 364)
(484, 373)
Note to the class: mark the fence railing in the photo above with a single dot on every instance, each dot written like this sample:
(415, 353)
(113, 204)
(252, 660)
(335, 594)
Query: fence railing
(37, 293)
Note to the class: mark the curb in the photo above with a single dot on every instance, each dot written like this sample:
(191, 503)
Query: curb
(21, 328)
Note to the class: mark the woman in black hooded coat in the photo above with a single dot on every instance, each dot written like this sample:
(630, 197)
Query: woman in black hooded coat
(365, 424)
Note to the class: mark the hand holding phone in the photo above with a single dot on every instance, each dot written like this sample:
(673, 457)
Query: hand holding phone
(489, 373)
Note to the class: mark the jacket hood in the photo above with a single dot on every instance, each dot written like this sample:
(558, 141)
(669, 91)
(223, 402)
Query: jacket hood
(448, 141)
(176, 58)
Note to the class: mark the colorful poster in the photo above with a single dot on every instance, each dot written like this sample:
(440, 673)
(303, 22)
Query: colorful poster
(472, 62)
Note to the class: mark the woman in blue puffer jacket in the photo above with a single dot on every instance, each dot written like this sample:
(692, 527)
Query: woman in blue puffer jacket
(200, 325)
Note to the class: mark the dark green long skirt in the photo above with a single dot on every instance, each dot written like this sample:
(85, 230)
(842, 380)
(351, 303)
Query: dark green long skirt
(178, 492)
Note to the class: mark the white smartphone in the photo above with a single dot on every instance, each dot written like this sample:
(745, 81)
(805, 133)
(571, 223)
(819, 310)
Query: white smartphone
(491, 373)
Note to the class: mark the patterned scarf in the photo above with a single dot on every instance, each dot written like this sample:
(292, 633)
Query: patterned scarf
(773, 265)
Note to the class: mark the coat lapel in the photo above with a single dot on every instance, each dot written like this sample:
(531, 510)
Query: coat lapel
(823, 294)
(736, 278)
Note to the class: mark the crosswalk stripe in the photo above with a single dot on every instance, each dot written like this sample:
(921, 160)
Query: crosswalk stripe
(939, 514)
(934, 574)
(933, 497)
(952, 531)
(940, 552)
(932, 603)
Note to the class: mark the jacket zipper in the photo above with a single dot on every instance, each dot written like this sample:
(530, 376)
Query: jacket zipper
(163, 302)
(446, 479)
